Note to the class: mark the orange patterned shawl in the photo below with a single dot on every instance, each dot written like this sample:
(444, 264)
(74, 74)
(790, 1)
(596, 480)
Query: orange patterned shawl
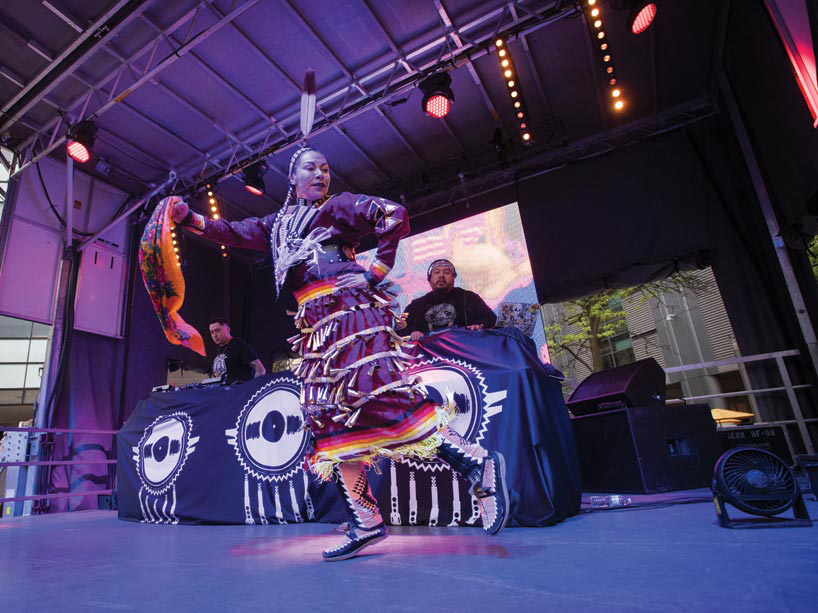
(163, 277)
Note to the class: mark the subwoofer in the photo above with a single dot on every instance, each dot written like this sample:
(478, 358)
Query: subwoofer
(641, 384)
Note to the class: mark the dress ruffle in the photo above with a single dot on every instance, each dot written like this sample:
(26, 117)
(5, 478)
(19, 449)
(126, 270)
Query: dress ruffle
(360, 401)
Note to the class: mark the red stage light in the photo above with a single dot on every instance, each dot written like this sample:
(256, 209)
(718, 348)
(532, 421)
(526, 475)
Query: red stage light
(437, 95)
(78, 151)
(80, 140)
(254, 177)
(643, 18)
(438, 106)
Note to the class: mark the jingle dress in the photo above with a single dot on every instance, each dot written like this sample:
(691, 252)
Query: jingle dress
(359, 403)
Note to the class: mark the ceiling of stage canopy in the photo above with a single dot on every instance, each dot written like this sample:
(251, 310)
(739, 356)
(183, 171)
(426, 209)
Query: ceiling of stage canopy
(205, 87)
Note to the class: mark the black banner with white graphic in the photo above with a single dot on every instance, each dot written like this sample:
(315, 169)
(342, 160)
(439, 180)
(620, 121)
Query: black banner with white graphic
(235, 454)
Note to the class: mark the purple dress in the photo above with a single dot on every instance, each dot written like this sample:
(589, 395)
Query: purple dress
(359, 404)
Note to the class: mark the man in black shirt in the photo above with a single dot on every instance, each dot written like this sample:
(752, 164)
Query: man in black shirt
(446, 305)
(236, 360)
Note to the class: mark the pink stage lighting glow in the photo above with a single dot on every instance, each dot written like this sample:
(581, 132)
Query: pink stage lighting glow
(438, 106)
(644, 18)
(253, 190)
(78, 151)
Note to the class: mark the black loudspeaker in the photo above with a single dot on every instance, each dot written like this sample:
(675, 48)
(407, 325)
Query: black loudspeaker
(639, 384)
(647, 449)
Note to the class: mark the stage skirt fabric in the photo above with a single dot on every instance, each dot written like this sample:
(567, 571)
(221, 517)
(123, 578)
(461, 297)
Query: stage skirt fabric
(360, 402)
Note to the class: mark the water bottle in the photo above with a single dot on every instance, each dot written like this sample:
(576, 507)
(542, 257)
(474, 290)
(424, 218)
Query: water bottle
(609, 502)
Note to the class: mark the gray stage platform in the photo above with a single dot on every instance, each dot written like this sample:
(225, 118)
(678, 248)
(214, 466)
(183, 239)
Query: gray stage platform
(668, 559)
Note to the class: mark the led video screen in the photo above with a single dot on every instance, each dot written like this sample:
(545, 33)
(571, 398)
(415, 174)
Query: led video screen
(489, 252)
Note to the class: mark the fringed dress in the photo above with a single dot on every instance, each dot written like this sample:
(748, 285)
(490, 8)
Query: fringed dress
(359, 403)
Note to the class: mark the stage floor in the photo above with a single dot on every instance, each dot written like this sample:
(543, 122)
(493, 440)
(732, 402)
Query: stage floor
(672, 558)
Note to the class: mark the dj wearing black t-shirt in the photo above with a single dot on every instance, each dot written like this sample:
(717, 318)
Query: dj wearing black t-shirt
(446, 305)
(235, 360)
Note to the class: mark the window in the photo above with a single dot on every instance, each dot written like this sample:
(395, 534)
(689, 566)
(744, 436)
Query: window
(23, 347)
(618, 350)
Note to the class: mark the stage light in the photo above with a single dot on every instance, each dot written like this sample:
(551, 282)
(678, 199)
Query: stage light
(520, 115)
(641, 16)
(517, 104)
(223, 247)
(594, 12)
(209, 193)
(438, 96)
(254, 177)
(612, 82)
(618, 105)
(591, 2)
(601, 35)
(606, 58)
(212, 201)
(526, 136)
(215, 215)
(214, 209)
(598, 23)
(507, 73)
(603, 46)
(523, 126)
(514, 94)
(502, 52)
(499, 42)
(511, 83)
(616, 93)
(81, 138)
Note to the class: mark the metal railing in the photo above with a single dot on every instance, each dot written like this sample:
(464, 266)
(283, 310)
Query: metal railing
(788, 387)
(46, 445)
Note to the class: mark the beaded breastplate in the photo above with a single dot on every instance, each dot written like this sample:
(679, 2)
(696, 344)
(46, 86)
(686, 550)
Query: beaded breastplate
(289, 241)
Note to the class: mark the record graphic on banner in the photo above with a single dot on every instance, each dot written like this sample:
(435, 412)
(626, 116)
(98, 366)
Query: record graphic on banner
(269, 439)
(466, 386)
(163, 450)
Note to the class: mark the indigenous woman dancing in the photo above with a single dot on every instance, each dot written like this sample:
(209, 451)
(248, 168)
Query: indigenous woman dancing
(357, 399)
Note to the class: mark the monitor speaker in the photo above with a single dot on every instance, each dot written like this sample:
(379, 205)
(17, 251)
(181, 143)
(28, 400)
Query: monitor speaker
(647, 449)
(641, 383)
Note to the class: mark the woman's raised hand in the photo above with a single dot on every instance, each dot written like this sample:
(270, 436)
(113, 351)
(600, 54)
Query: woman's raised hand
(180, 211)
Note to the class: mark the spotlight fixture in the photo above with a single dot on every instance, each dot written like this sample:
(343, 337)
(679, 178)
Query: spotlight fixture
(254, 177)
(641, 16)
(81, 138)
(437, 95)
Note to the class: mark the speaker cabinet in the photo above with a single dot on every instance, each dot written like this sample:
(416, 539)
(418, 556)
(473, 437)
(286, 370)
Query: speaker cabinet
(641, 383)
(645, 450)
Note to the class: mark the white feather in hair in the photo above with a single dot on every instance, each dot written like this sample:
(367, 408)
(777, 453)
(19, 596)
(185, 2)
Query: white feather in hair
(308, 103)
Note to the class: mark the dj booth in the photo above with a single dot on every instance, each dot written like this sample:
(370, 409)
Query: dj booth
(235, 454)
